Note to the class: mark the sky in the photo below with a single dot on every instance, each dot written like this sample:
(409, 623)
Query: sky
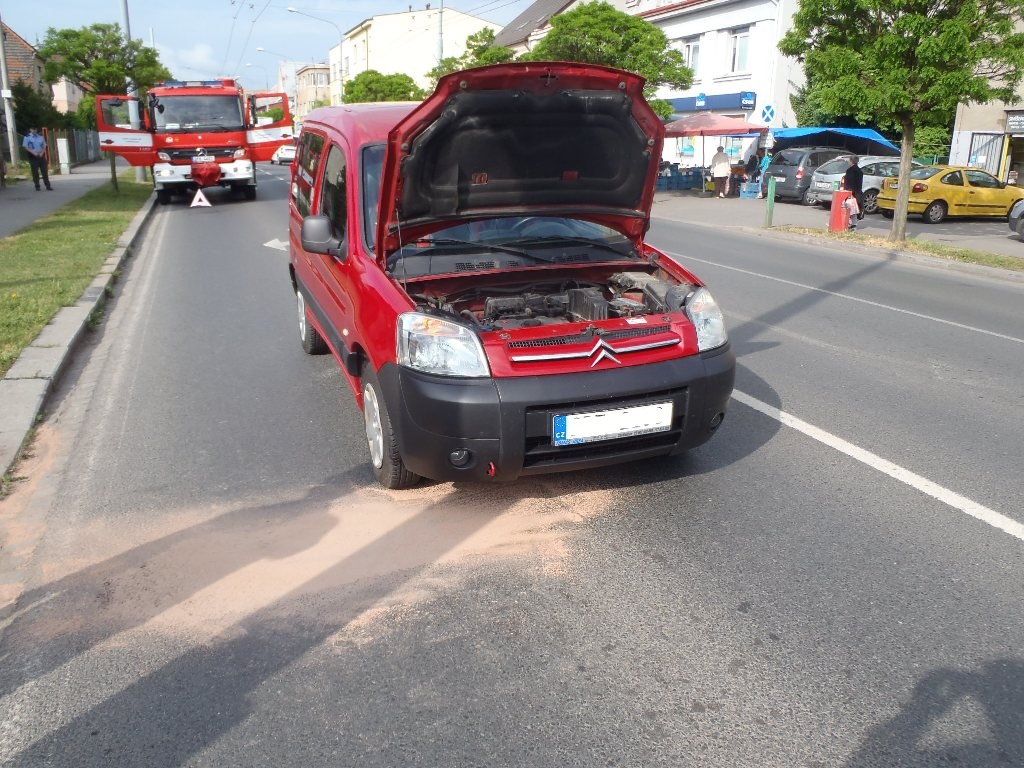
(210, 38)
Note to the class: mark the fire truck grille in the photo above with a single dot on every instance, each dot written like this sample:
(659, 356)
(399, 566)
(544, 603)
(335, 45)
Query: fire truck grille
(186, 155)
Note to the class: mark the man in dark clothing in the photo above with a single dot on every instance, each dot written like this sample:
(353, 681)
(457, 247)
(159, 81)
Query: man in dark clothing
(853, 181)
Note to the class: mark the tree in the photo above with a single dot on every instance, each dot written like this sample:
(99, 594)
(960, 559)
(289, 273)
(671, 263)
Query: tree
(597, 33)
(908, 61)
(371, 85)
(100, 60)
(480, 51)
(32, 109)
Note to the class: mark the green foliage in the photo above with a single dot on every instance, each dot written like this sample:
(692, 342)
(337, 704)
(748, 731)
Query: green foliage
(371, 85)
(932, 141)
(99, 59)
(907, 62)
(480, 51)
(597, 33)
(32, 109)
(276, 114)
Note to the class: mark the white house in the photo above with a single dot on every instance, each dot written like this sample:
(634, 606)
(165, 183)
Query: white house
(410, 43)
(991, 136)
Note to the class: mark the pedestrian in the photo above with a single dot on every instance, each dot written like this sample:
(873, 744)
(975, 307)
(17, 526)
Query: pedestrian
(853, 181)
(853, 208)
(721, 168)
(766, 160)
(35, 145)
(753, 163)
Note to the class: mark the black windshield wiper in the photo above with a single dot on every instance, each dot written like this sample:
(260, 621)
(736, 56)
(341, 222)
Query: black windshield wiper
(548, 240)
(434, 241)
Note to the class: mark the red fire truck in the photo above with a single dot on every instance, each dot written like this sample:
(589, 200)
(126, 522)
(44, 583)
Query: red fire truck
(196, 133)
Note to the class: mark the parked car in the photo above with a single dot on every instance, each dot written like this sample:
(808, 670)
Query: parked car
(476, 265)
(876, 169)
(285, 154)
(939, 191)
(792, 169)
(1016, 218)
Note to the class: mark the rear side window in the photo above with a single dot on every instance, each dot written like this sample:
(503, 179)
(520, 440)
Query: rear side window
(835, 166)
(334, 192)
(788, 157)
(311, 148)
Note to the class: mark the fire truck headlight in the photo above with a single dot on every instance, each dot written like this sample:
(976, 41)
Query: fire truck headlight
(163, 156)
(240, 153)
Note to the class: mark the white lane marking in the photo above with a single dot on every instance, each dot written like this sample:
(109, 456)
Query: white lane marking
(277, 245)
(936, 491)
(850, 298)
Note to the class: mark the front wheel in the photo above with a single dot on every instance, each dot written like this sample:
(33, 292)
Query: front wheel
(249, 192)
(388, 467)
(806, 198)
(935, 212)
(163, 196)
(870, 202)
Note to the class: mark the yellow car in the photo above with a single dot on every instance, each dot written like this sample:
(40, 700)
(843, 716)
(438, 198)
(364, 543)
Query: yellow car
(938, 191)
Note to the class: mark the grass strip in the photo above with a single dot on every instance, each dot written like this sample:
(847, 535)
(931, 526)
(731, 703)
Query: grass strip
(965, 255)
(50, 263)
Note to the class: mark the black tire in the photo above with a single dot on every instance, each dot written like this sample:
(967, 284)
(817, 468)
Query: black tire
(935, 212)
(385, 459)
(249, 192)
(887, 213)
(312, 342)
(163, 196)
(870, 202)
(805, 198)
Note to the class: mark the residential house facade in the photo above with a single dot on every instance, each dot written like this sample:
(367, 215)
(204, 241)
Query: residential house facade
(410, 43)
(311, 87)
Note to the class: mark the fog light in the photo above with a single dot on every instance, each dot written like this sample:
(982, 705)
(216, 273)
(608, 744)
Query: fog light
(716, 422)
(459, 458)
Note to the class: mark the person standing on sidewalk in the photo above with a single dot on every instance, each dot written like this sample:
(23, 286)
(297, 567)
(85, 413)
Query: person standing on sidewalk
(35, 145)
(721, 169)
(853, 181)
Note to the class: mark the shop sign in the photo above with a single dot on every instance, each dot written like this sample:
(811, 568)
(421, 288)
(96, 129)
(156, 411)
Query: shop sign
(1015, 122)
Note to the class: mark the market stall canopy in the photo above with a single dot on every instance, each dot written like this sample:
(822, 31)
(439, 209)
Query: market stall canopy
(708, 124)
(863, 141)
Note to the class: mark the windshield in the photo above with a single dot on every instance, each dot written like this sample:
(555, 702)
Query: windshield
(924, 173)
(834, 166)
(189, 113)
(501, 242)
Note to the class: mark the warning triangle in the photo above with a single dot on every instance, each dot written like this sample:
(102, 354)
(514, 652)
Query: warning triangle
(200, 201)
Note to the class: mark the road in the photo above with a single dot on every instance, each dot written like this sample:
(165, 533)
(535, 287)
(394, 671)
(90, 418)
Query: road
(208, 576)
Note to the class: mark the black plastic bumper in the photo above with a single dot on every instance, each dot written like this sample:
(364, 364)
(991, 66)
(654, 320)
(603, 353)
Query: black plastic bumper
(506, 424)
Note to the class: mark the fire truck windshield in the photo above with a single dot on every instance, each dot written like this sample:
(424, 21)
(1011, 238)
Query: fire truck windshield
(191, 113)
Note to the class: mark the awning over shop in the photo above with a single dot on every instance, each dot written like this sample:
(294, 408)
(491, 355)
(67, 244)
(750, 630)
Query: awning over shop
(863, 141)
(708, 124)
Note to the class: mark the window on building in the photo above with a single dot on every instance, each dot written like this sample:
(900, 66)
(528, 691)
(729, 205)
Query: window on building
(690, 48)
(739, 41)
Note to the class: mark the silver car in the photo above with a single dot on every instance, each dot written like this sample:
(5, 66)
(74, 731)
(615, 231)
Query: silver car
(877, 168)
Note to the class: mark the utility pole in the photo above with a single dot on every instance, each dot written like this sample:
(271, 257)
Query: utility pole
(12, 133)
(133, 106)
(440, 33)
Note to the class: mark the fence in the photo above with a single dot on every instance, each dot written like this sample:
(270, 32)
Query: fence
(84, 146)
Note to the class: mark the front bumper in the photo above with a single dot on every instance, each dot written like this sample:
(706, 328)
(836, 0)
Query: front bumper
(820, 195)
(237, 172)
(506, 424)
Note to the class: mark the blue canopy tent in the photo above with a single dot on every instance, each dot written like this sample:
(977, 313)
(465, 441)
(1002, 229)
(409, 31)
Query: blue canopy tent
(862, 141)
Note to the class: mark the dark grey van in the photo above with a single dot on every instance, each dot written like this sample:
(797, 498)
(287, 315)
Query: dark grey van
(792, 169)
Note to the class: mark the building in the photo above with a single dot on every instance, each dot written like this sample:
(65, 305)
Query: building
(66, 96)
(530, 26)
(410, 43)
(311, 87)
(991, 136)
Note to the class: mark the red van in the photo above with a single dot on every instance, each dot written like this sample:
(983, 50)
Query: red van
(476, 264)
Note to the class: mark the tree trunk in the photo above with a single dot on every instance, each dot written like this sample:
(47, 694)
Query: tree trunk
(898, 233)
(113, 173)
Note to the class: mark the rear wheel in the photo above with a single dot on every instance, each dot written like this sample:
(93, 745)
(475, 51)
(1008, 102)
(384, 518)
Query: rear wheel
(312, 342)
(385, 458)
(870, 202)
(935, 212)
(887, 213)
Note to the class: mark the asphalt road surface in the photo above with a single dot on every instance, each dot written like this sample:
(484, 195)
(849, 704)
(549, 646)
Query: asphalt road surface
(205, 573)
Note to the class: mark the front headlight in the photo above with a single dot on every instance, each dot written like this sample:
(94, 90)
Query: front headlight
(707, 318)
(163, 156)
(433, 345)
(240, 153)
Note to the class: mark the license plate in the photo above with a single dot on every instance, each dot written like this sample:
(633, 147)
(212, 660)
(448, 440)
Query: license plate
(203, 159)
(575, 428)
(780, 178)
(823, 184)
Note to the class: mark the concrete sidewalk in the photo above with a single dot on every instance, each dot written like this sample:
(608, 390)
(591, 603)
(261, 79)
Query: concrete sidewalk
(986, 235)
(21, 204)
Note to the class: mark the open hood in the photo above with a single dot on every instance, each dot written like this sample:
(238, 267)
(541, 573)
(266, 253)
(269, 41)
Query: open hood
(540, 138)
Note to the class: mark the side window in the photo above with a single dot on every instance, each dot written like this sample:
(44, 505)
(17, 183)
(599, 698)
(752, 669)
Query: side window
(982, 179)
(334, 192)
(873, 169)
(307, 161)
(955, 178)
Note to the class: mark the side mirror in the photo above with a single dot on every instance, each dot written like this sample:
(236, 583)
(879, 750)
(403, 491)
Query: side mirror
(317, 236)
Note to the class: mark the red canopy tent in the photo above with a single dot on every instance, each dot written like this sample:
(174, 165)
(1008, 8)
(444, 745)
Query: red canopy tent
(708, 124)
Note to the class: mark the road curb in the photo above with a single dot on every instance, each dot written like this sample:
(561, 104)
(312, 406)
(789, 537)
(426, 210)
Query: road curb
(25, 388)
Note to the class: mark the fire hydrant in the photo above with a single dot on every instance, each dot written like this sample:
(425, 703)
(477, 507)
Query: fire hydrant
(839, 220)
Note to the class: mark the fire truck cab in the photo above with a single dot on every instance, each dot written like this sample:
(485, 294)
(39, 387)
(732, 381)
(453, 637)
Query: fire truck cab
(193, 134)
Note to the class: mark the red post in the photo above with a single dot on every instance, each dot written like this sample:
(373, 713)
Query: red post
(839, 219)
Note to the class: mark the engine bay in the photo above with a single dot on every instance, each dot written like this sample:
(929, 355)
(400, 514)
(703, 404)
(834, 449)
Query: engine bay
(622, 295)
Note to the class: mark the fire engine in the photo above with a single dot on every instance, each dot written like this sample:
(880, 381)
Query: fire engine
(193, 134)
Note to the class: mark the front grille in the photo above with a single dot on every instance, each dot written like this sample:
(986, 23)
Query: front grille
(180, 155)
(540, 453)
(583, 338)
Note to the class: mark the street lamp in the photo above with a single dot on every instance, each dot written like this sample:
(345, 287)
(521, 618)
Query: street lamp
(266, 77)
(341, 35)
